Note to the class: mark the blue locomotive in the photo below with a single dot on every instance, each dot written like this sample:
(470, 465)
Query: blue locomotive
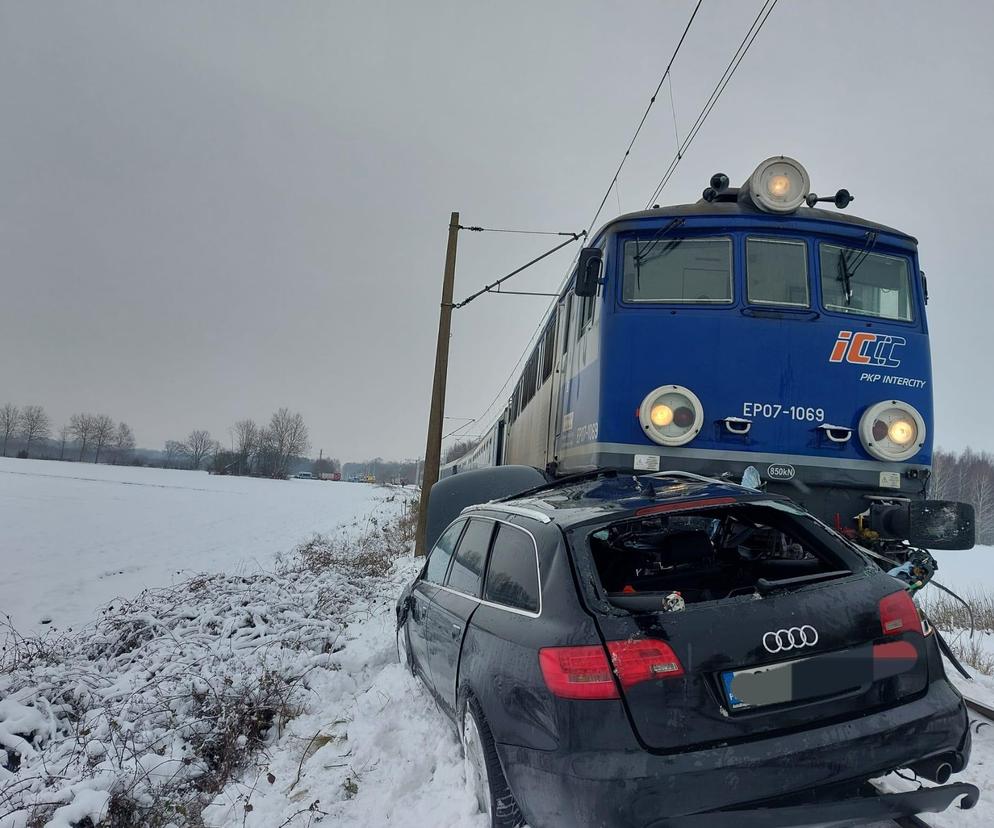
(750, 329)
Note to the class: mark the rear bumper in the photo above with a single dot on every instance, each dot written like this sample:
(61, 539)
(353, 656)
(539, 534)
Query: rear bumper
(638, 789)
(841, 812)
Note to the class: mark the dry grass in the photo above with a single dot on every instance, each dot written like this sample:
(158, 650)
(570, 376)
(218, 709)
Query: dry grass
(215, 667)
(955, 621)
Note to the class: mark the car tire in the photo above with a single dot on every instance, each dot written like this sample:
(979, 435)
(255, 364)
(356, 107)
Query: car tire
(484, 775)
(403, 651)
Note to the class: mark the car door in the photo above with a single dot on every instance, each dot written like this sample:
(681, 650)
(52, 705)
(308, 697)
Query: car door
(424, 591)
(452, 606)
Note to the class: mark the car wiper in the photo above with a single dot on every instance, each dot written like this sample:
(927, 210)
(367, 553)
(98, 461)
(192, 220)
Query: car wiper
(765, 586)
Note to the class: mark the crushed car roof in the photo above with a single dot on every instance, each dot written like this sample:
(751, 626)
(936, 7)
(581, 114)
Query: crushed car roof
(588, 497)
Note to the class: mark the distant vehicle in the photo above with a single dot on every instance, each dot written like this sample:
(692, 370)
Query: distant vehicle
(668, 650)
(303, 476)
(331, 475)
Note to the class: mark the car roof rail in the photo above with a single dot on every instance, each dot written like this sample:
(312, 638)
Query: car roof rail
(692, 476)
(497, 506)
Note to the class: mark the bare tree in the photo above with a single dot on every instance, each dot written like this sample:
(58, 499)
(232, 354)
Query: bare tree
(10, 420)
(198, 446)
(287, 437)
(103, 434)
(81, 429)
(124, 443)
(245, 434)
(981, 494)
(35, 425)
(174, 449)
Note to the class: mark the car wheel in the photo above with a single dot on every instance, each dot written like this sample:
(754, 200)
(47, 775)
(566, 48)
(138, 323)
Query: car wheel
(403, 656)
(484, 775)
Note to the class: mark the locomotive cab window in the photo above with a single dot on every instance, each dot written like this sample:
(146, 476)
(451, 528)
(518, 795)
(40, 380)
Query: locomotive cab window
(678, 270)
(777, 272)
(869, 284)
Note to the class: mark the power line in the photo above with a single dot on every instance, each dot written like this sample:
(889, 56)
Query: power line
(645, 115)
(521, 232)
(733, 64)
(600, 207)
(488, 288)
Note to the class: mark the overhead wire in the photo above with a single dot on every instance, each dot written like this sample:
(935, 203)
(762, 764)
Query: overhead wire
(476, 229)
(750, 36)
(614, 179)
(645, 115)
(757, 25)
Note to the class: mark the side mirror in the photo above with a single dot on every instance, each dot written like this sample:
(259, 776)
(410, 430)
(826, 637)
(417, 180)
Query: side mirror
(588, 272)
(932, 524)
(941, 524)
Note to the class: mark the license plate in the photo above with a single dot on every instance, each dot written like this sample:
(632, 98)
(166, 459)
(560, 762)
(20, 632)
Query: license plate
(823, 675)
(761, 686)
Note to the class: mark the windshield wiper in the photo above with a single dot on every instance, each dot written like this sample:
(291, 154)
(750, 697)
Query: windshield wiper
(640, 254)
(765, 586)
(847, 269)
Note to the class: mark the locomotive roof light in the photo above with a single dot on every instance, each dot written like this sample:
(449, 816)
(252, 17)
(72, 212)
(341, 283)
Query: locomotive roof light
(892, 430)
(778, 185)
(671, 415)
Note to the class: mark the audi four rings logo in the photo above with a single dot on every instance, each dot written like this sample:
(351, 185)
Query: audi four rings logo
(779, 641)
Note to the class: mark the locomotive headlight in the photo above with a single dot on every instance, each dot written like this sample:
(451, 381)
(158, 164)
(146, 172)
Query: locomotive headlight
(892, 430)
(671, 415)
(778, 185)
(661, 415)
(902, 432)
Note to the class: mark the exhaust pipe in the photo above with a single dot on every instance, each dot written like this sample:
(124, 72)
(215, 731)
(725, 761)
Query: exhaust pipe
(938, 769)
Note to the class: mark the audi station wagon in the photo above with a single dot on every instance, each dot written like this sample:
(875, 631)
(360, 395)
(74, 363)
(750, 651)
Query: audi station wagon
(670, 650)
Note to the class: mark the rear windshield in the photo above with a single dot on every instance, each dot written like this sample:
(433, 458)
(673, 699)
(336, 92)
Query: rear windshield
(868, 284)
(712, 555)
(678, 270)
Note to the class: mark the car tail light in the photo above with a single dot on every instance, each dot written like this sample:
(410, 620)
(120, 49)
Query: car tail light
(898, 614)
(586, 673)
(642, 660)
(578, 672)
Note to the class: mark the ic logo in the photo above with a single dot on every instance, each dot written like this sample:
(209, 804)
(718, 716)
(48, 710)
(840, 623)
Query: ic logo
(779, 641)
(864, 348)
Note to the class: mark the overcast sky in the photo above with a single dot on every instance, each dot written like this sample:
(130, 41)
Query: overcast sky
(210, 210)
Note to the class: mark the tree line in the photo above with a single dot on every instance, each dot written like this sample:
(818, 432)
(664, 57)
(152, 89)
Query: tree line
(270, 450)
(85, 436)
(967, 476)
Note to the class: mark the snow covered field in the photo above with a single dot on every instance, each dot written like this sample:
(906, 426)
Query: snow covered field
(363, 746)
(73, 536)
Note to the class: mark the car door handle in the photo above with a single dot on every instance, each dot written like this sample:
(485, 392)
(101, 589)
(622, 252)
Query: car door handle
(456, 629)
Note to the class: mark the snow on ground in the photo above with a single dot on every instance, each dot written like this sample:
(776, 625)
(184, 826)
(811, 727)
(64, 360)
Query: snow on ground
(365, 745)
(73, 536)
(966, 569)
(371, 750)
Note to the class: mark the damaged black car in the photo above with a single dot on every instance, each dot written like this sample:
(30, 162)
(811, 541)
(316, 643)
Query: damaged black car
(667, 650)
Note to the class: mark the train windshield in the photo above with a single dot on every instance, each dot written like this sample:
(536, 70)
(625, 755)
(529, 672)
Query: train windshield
(777, 272)
(678, 270)
(870, 284)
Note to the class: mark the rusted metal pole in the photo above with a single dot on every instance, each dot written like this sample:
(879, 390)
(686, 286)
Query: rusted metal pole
(433, 445)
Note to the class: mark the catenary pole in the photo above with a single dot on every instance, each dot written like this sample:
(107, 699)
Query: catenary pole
(433, 445)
